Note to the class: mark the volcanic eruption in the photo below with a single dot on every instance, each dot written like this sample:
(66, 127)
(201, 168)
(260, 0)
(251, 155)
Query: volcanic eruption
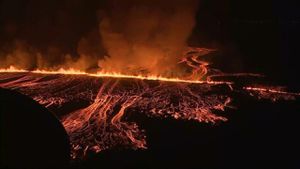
(148, 68)
(100, 123)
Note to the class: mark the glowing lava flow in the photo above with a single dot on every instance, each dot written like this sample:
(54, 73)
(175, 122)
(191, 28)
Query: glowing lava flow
(101, 123)
(191, 60)
(12, 69)
(95, 108)
(270, 93)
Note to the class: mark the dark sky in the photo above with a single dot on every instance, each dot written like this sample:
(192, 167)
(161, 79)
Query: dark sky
(64, 22)
(57, 23)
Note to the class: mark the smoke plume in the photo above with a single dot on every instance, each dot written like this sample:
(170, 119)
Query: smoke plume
(146, 34)
(50, 34)
(114, 35)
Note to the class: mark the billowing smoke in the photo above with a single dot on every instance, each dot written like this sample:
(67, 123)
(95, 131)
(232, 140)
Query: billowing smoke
(50, 34)
(23, 56)
(114, 35)
(146, 34)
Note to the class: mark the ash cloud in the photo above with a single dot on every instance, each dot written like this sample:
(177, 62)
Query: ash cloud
(112, 35)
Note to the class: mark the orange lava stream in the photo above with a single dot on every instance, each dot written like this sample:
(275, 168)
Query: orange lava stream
(72, 71)
(100, 123)
(259, 89)
(12, 69)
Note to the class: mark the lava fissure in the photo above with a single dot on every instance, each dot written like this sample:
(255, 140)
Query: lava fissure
(101, 124)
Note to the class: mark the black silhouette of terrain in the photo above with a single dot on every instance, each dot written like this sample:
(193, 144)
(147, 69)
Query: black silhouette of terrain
(31, 136)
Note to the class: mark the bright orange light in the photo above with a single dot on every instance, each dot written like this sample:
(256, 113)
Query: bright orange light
(269, 90)
(12, 69)
(72, 71)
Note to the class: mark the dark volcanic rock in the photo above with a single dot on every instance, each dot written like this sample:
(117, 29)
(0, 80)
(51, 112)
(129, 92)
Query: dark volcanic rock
(31, 136)
(260, 134)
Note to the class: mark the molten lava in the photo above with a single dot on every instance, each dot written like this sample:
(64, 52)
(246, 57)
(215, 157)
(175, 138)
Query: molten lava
(102, 102)
(192, 60)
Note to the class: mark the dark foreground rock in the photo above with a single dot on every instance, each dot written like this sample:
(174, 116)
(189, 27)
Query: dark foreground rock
(31, 136)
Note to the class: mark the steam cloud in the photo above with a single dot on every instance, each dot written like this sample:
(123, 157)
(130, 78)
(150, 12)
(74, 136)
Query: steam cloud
(132, 35)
